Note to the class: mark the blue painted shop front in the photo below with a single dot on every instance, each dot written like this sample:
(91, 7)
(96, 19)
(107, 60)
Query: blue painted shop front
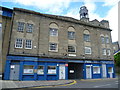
(34, 68)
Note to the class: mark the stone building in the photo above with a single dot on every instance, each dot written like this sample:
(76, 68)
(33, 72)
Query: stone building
(51, 47)
(116, 47)
(5, 27)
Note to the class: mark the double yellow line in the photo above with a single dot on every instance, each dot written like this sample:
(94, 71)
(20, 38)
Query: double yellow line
(57, 85)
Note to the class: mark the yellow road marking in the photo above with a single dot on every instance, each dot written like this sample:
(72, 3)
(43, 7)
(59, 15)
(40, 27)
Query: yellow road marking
(57, 85)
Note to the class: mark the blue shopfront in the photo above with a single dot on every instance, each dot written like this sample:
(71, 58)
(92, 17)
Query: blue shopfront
(34, 68)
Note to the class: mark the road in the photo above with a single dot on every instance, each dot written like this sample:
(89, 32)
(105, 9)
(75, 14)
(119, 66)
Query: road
(112, 84)
(106, 83)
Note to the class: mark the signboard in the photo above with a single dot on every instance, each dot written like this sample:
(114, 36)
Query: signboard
(28, 70)
(88, 61)
(40, 71)
(71, 71)
(51, 71)
(73, 55)
(12, 66)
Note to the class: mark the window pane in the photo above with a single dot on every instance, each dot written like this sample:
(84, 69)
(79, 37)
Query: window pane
(107, 40)
(87, 50)
(86, 37)
(71, 49)
(102, 39)
(96, 69)
(28, 69)
(53, 32)
(28, 44)
(29, 27)
(110, 69)
(104, 51)
(108, 52)
(40, 70)
(53, 46)
(71, 35)
(20, 26)
(19, 43)
(51, 69)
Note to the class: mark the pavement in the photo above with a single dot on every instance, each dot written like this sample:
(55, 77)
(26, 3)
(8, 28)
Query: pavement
(7, 84)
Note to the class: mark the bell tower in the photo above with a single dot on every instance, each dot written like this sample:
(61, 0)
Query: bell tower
(84, 14)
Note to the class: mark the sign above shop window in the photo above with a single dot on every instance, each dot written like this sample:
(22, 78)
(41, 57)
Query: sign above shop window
(72, 55)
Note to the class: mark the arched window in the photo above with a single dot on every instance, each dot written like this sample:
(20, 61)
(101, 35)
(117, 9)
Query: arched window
(86, 36)
(53, 29)
(71, 33)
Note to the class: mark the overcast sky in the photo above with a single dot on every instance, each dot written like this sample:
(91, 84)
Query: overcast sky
(98, 9)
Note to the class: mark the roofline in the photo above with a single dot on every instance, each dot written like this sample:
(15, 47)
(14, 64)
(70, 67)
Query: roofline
(73, 20)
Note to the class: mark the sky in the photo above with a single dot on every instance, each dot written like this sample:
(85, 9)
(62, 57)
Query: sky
(97, 9)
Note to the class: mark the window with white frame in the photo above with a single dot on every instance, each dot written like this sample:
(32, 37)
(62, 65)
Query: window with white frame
(86, 37)
(96, 69)
(110, 69)
(51, 70)
(104, 51)
(108, 52)
(29, 27)
(28, 69)
(71, 49)
(40, 70)
(102, 39)
(87, 50)
(71, 35)
(107, 39)
(53, 47)
(19, 43)
(53, 32)
(28, 44)
(21, 26)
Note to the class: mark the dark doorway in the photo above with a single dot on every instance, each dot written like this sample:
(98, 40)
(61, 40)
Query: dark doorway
(75, 71)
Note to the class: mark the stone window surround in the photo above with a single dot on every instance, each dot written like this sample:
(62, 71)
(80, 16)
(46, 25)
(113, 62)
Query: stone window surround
(88, 50)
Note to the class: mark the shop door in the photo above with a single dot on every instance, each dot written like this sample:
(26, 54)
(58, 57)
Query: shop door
(62, 72)
(88, 72)
(104, 70)
(14, 72)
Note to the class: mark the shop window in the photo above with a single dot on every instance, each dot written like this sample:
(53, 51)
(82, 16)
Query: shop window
(87, 50)
(40, 70)
(28, 69)
(53, 47)
(19, 43)
(28, 44)
(21, 26)
(71, 35)
(53, 32)
(51, 70)
(104, 51)
(29, 27)
(86, 37)
(110, 70)
(96, 70)
(71, 49)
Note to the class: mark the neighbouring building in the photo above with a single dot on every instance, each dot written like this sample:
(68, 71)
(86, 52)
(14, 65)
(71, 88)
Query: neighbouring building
(116, 47)
(52, 47)
(5, 29)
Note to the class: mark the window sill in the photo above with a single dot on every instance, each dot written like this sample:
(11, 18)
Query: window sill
(28, 48)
